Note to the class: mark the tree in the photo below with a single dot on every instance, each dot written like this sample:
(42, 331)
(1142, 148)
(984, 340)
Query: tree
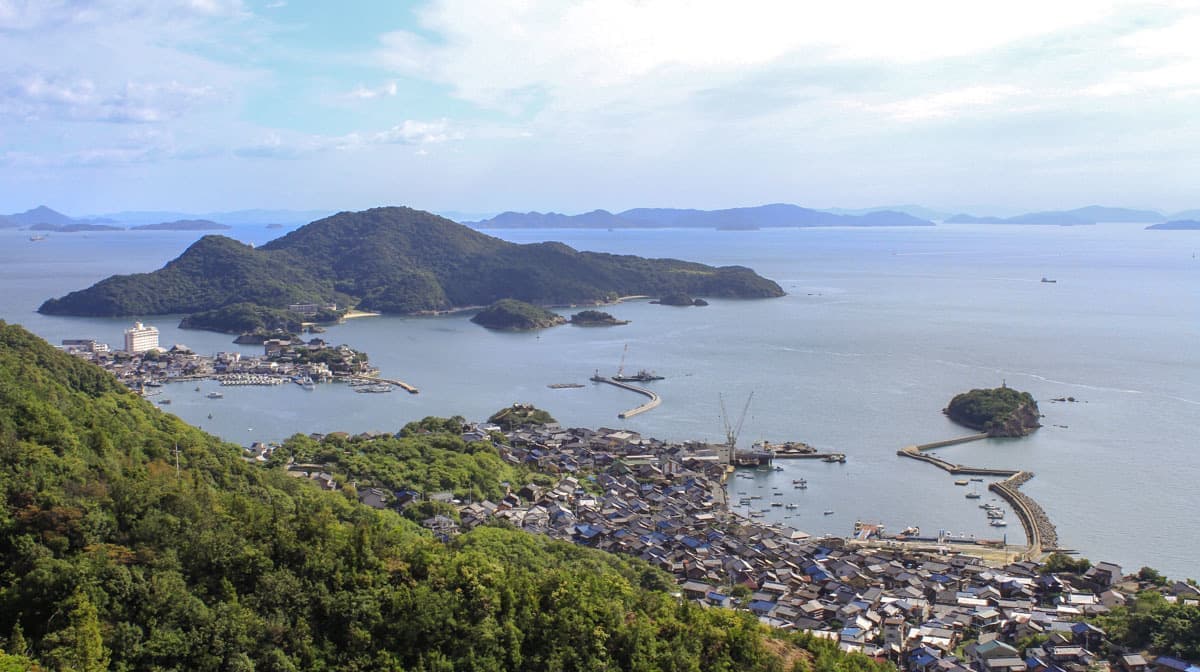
(79, 647)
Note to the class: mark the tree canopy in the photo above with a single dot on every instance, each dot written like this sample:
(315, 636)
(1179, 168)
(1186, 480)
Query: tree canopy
(132, 541)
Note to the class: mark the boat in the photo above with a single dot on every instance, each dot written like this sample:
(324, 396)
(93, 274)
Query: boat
(977, 479)
(642, 376)
(1048, 280)
(800, 481)
(793, 506)
(197, 388)
(215, 395)
(829, 513)
(564, 386)
(305, 382)
(961, 481)
(995, 513)
(152, 383)
(776, 503)
(164, 402)
(802, 486)
(35, 238)
(210, 416)
(998, 523)
(757, 514)
(374, 389)
(835, 457)
(973, 495)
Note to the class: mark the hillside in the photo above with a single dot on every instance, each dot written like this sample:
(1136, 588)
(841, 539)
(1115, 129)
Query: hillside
(396, 260)
(763, 216)
(132, 541)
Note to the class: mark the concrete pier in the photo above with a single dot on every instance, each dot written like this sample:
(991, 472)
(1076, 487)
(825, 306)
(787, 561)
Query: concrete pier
(655, 400)
(389, 381)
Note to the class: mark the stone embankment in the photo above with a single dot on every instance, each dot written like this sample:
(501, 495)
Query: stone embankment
(1041, 532)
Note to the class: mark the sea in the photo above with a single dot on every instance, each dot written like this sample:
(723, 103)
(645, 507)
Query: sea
(879, 329)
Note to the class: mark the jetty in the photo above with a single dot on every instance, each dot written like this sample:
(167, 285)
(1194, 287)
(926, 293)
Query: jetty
(655, 400)
(387, 381)
(1041, 533)
(918, 452)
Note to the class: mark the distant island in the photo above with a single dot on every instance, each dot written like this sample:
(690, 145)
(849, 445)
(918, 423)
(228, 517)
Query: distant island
(74, 227)
(513, 315)
(1000, 411)
(183, 225)
(396, 260)
(595, 318)
(1092, 214)
(679, 299)
(741, 219)
(1176, 225)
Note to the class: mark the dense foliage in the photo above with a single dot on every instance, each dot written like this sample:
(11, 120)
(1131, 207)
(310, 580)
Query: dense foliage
(520, 415)
(245, 317)
(396, 260)
(1061, 562)
(987, 409)
(131, 541)
(1150, 622)
(595, 317)
(423, 461)
(513, 315)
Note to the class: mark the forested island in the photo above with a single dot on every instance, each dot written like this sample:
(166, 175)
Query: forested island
(679, 299)
(595, 318)
(513, 315)
(1000, 411)
(396, 260)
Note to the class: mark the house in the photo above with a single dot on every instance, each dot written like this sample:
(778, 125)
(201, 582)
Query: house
(995, 656)
(1102, 576)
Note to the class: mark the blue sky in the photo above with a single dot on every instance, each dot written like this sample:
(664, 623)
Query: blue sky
(483, 106)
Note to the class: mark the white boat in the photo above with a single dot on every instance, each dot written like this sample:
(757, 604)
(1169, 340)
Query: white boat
(998, 523)
(793, 506)
(215, 395)
(972, 495)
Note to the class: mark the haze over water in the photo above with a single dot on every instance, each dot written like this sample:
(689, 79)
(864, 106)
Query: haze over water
(879, 329)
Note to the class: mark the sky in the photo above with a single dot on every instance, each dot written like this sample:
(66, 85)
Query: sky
(481, 106)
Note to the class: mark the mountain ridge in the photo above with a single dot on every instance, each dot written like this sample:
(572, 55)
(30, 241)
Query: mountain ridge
(762, 216)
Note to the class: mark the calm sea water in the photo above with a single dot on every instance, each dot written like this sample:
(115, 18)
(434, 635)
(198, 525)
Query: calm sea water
(879, 329)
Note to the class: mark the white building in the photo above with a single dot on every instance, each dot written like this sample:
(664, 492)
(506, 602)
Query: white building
(141, 338)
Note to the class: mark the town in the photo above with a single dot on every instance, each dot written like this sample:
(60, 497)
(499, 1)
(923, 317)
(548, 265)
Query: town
(143, 363)
(925, 608)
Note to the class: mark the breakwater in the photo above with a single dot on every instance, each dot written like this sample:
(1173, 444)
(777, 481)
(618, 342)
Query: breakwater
(387, 381)
(655, 400)
(1040, 532)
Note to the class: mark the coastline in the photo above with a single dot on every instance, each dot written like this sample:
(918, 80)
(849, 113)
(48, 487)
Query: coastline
(355, 314)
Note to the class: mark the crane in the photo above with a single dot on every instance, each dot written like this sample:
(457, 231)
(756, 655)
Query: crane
(732, 431)
(621, 368)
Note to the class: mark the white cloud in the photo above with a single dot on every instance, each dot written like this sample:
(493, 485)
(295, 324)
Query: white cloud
(410, 132)
(79, 99)
(592, 51)
(945, 104)
(384, 90)
(1163, 60)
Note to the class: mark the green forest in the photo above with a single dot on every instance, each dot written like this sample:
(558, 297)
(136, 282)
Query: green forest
(986, 409)
(132, 541)
(396, 260)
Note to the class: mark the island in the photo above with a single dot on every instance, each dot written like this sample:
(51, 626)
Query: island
(74, 227)
(513, 315)
(595, 318)
(1176, 225)
(520, 415)
(183, 225)
(680, 299)
(1000, 411)
(401, 261)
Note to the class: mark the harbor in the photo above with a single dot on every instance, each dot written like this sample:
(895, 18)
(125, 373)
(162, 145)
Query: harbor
(1040, 533)
(655, 400)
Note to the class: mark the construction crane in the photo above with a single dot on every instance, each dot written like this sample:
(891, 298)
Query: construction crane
(732, 431)
(621, 368)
